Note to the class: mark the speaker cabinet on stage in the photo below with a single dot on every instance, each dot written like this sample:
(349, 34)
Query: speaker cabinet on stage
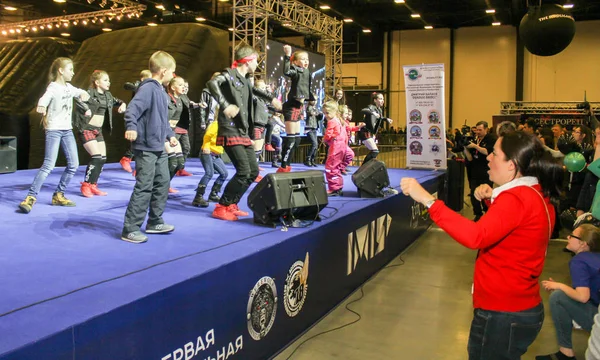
(8, 154)
(453, 191)
(294, 195)
(371, 178)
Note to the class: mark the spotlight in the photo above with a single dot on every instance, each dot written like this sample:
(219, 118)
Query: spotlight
(10, 8)
(200, 19)
(428, 27)
(65, 34)
(103, 3)
(106, 29)
(152, 24)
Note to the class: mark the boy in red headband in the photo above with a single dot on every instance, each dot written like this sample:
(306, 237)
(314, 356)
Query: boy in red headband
(232, 90)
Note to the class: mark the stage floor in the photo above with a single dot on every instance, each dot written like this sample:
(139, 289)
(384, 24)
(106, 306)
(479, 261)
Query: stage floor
(63, 266)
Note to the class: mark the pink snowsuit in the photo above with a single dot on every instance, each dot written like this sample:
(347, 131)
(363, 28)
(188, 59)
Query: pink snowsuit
(349, 156)
(337, 139)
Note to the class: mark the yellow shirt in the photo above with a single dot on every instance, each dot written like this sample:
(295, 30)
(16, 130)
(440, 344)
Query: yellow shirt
(210, 138)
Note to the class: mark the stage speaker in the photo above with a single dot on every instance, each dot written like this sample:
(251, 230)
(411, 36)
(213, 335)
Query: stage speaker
(8, 154)
(295, 195)
(371, 178)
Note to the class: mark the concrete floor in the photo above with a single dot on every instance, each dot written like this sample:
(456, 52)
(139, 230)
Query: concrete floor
(420, 307)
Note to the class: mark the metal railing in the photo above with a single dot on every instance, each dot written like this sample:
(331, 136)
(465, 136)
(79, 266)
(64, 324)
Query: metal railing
(394, 156)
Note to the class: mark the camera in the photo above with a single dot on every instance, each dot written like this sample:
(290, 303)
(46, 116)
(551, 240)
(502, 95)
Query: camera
(464, 140)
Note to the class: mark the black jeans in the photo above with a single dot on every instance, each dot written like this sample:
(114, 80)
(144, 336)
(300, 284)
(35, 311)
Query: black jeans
(243, 159)
(150, 191)
(184, 140)
(503, 335)
(314, 144)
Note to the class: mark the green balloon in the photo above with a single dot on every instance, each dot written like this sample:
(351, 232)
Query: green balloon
(575, 162)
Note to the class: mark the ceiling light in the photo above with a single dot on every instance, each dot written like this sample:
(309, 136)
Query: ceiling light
(348, 20)
(10, 8)
(415, 16)
(490, 11)
(160, 7)
(366, 31)
(106, 29)
(223, 0)
(4, 32)
(230, 29)
(324, 7)
(399, 1)
(34, 29)
(428, 27)
(152, 24)
(200, 19)
(497, 23)
(65, 34)
(568, 6)
(60, 1)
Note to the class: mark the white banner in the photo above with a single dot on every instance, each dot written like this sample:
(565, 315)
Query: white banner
(425, 116)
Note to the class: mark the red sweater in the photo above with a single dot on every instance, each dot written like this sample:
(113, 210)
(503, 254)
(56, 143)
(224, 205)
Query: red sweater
(512, 238)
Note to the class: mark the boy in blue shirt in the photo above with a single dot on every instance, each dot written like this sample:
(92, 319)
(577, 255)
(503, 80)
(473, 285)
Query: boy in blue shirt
(147, 127)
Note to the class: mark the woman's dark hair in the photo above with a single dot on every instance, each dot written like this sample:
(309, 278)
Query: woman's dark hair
(531, 159)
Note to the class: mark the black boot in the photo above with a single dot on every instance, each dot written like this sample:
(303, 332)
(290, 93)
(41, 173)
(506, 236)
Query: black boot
(199, 198)
(214, 193)
(308, 162)
(274, 163)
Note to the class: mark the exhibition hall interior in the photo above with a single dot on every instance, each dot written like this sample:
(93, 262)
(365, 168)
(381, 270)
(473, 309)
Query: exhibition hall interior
(300, 179)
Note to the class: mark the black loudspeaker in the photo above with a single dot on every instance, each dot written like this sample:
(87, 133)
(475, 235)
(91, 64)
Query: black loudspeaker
(8, 154)
(453, 191)
(294, 195)
(371, 178)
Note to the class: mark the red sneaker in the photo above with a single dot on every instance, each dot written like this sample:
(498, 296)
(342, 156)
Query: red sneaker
(284, 169)
(125, 163)
(235, 210)
(182, 172)
(258, 179)
(269, 147)
(96, 191)
(173, 190)
(86, 189)
(223, 213)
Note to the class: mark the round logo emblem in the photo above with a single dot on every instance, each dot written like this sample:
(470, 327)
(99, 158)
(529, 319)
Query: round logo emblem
(413, 74)
(415, 116)
(296, 287)
(262, 307)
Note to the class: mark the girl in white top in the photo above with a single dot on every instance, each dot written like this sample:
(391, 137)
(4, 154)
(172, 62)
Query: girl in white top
(56, 107)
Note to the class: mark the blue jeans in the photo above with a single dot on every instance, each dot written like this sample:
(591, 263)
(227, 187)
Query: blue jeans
(564, 310)
(503, 335)
(55, 139)
(212, 163)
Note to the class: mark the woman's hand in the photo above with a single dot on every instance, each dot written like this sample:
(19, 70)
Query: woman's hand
(482, 192)
(122, 108)
(412, 188)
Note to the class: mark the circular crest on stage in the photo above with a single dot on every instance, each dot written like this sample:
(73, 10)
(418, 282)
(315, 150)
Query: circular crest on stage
(295, 289)
(262, 307)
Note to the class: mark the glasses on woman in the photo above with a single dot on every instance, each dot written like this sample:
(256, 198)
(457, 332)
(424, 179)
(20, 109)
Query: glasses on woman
(574, 236)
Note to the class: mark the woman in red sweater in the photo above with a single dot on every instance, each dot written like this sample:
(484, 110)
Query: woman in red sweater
(512, 238)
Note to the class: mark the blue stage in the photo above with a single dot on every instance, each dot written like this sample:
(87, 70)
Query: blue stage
(210, 290)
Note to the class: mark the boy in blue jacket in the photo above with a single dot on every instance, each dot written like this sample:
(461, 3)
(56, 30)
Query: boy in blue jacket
(147, 127)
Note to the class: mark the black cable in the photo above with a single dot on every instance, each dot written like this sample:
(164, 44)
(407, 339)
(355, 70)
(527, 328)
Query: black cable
(131, 273)
(362, 295)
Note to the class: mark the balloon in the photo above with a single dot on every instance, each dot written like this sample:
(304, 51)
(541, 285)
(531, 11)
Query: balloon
(575, 162)
(547, 30)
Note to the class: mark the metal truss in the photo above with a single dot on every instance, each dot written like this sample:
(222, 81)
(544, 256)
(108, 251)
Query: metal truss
(250, 27)
(130, 11)
(522, 107)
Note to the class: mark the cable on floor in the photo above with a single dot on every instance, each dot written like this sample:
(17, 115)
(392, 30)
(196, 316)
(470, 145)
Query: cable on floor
(362, 295)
